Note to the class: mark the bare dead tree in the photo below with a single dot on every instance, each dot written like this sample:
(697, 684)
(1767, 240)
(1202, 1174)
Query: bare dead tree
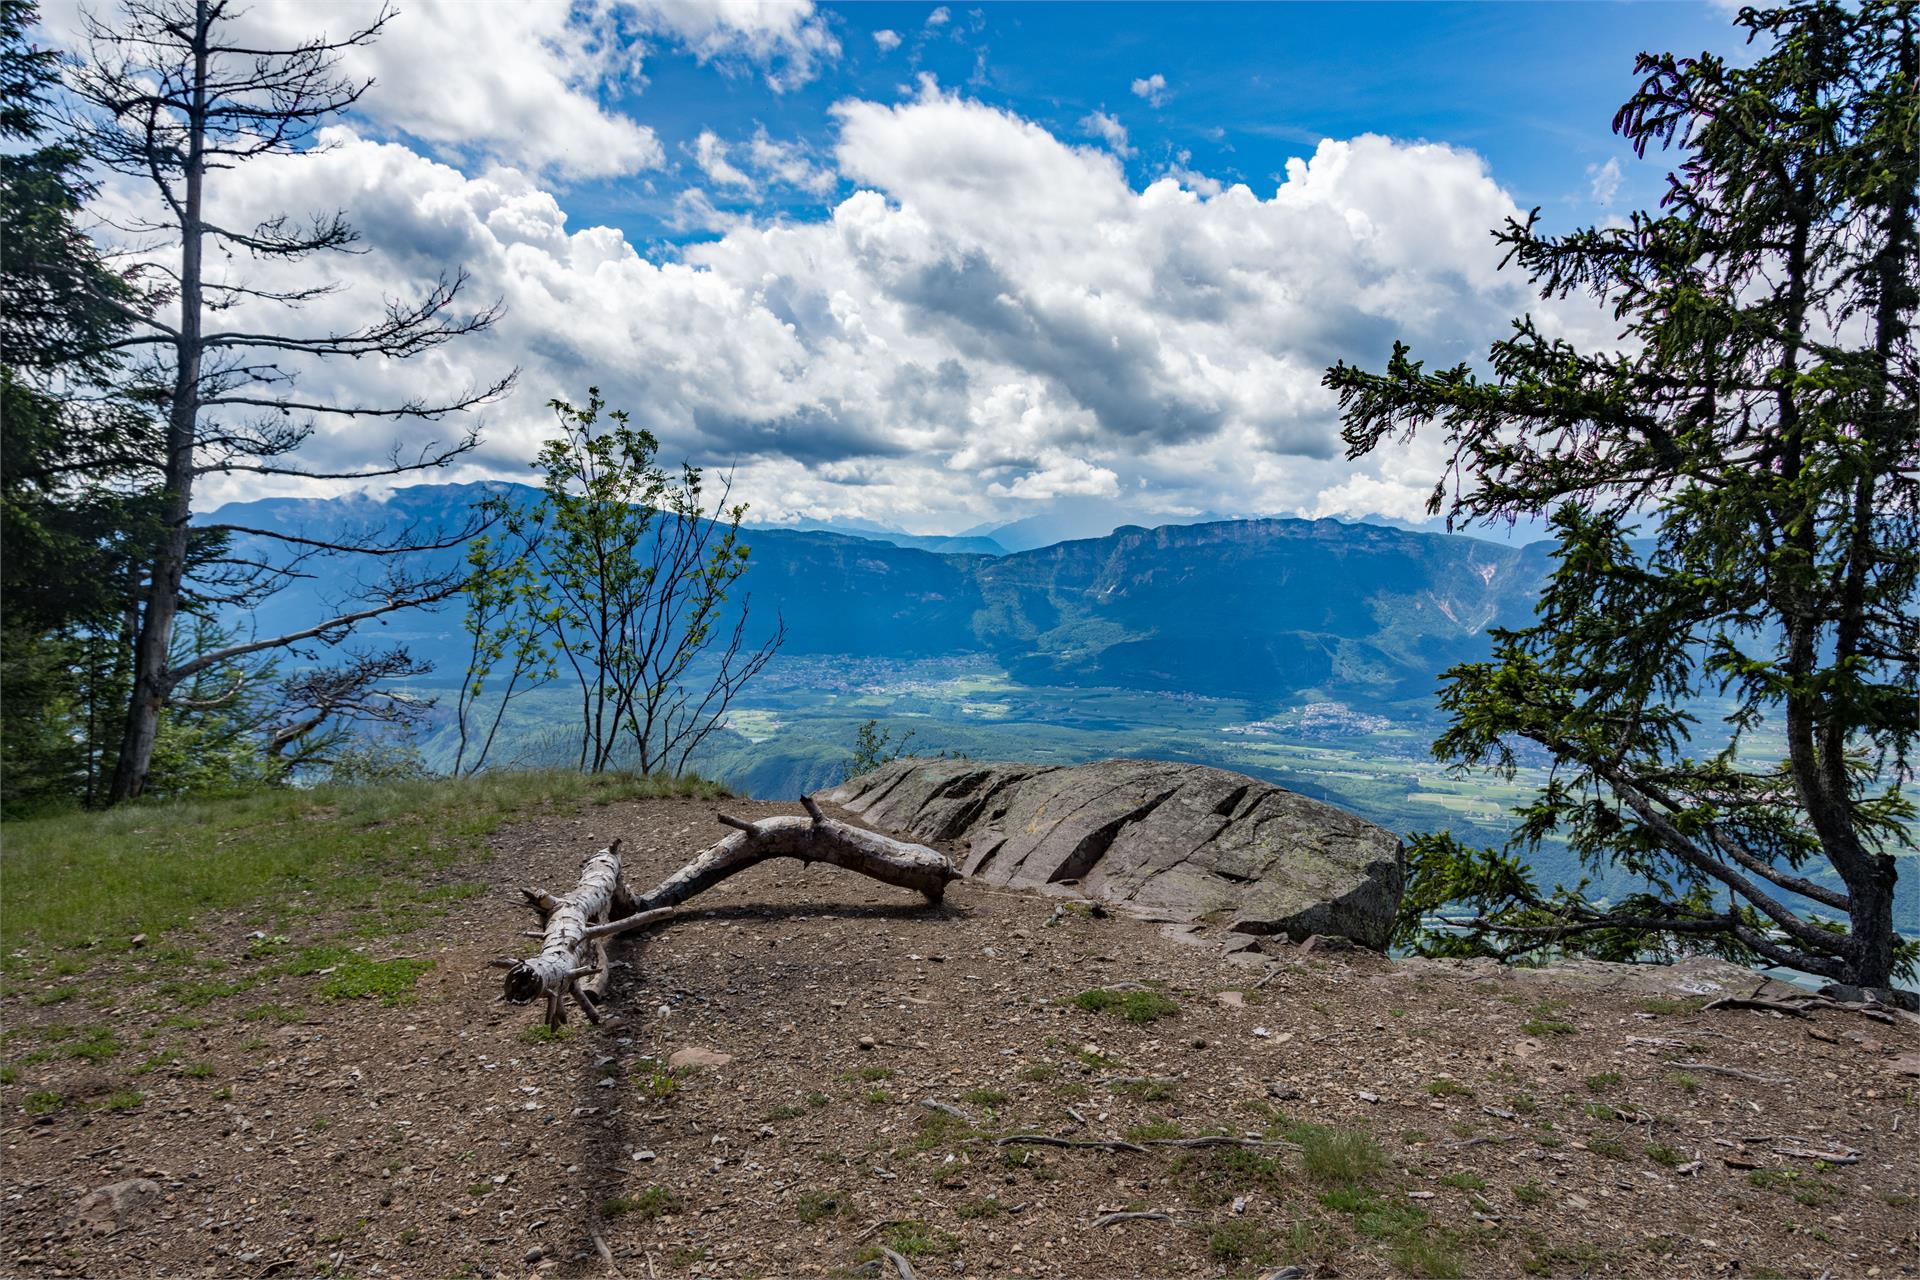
(575, 927)
(315, 708)
(173, 94)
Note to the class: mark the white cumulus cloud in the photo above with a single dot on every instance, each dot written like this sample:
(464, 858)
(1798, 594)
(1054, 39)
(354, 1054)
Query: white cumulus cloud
(1108, 129)
(1153, 88)
(528, 85)
(1604, 180)
(993, 317)
(886, 41)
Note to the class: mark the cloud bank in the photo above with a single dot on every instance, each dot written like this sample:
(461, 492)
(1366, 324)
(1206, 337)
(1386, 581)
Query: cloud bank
(993, 318)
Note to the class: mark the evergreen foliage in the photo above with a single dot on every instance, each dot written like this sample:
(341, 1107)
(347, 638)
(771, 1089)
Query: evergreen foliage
(1735, 492)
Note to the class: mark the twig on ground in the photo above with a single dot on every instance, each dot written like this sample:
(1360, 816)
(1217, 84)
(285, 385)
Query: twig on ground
(1712, 1068)
(899, 1263)
(1149, 1215)
(1045, 1140)
(934, 1104)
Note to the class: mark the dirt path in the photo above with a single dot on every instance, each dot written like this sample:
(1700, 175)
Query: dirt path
(1420, 1120)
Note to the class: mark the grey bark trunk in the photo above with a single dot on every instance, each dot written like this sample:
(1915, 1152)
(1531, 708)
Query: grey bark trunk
(151, 681)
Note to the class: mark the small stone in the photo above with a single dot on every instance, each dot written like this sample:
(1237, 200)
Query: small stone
(535, 1254)
(1233, 999)
(696, 1057)
(643, 1157)
(868, 1043)
(137, 941)
(108, 1209)
(1261, 1032)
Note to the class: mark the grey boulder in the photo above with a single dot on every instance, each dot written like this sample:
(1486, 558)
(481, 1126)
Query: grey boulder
(1180, 842)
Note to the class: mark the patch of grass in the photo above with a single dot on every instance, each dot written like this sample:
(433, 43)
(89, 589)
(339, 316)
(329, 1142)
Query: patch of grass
(1465, 1181)
(9, 1075)
(985, 1097)
(199, 1071)
(1600, 1111)
(938, 1129)
(44, 1102)
(1612, 1148)
(1546, 1021)
(1238, 1240)
(1330, 1155)
(1094, 1060)
(1134, 1006)
(184, 1022)
(1560, 1259)
(1548, 1027)
(1811, 1191)
(871, 1074)
(1662, 1155)
(878, 1098)
(1523, 1104)
(1448, 1088)
(166, 1057)
(1430, 1254)
(96, 1044)
(1603, 1081)
(59, 995)
(1039, 1072)
(785, 1111)
(1216, 1174)
(986, 1207)
(358, 978)
(198, 993)
(652, 1078)
(1529, 1193)
(541, 1033)
(1689, 1084)
(1154, 1129)
(171, 861)
(654, 1202)
(916, 1240)
(1147, 1090)
(121, 1100)
(817, 1100)
(817, 1206)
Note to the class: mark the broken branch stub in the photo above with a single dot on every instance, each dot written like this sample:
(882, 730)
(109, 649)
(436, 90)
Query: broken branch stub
(573, 955)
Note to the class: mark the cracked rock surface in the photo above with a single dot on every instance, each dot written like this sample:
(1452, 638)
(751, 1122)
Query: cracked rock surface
(1180, 842)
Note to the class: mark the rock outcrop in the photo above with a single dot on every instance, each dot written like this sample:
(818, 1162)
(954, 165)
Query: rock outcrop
(1179, 842)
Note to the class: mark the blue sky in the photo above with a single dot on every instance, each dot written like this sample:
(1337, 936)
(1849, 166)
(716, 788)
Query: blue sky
(939, 267)
(1532, 87)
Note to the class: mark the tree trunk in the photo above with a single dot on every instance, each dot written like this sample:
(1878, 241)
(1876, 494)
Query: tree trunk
(151, 682)
(573, 959)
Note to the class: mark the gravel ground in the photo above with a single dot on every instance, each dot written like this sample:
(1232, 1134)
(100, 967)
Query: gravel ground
(1512, 1123)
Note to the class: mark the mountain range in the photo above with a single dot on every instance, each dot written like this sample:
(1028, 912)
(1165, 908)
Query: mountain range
(1262, 610)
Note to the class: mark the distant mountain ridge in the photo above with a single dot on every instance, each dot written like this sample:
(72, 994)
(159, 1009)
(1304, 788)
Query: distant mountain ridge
(1262, 609)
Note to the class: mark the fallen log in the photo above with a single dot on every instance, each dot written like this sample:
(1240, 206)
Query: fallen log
(573, 959)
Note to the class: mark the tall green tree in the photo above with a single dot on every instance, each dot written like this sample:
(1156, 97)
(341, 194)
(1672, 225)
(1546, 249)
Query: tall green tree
(1723, 667)
(620, 579)
(74, 508)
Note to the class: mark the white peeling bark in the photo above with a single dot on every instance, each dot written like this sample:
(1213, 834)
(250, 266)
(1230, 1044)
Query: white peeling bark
(573, 953)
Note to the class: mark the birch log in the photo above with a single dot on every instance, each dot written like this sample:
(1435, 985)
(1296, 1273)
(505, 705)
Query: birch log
(573, 953)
